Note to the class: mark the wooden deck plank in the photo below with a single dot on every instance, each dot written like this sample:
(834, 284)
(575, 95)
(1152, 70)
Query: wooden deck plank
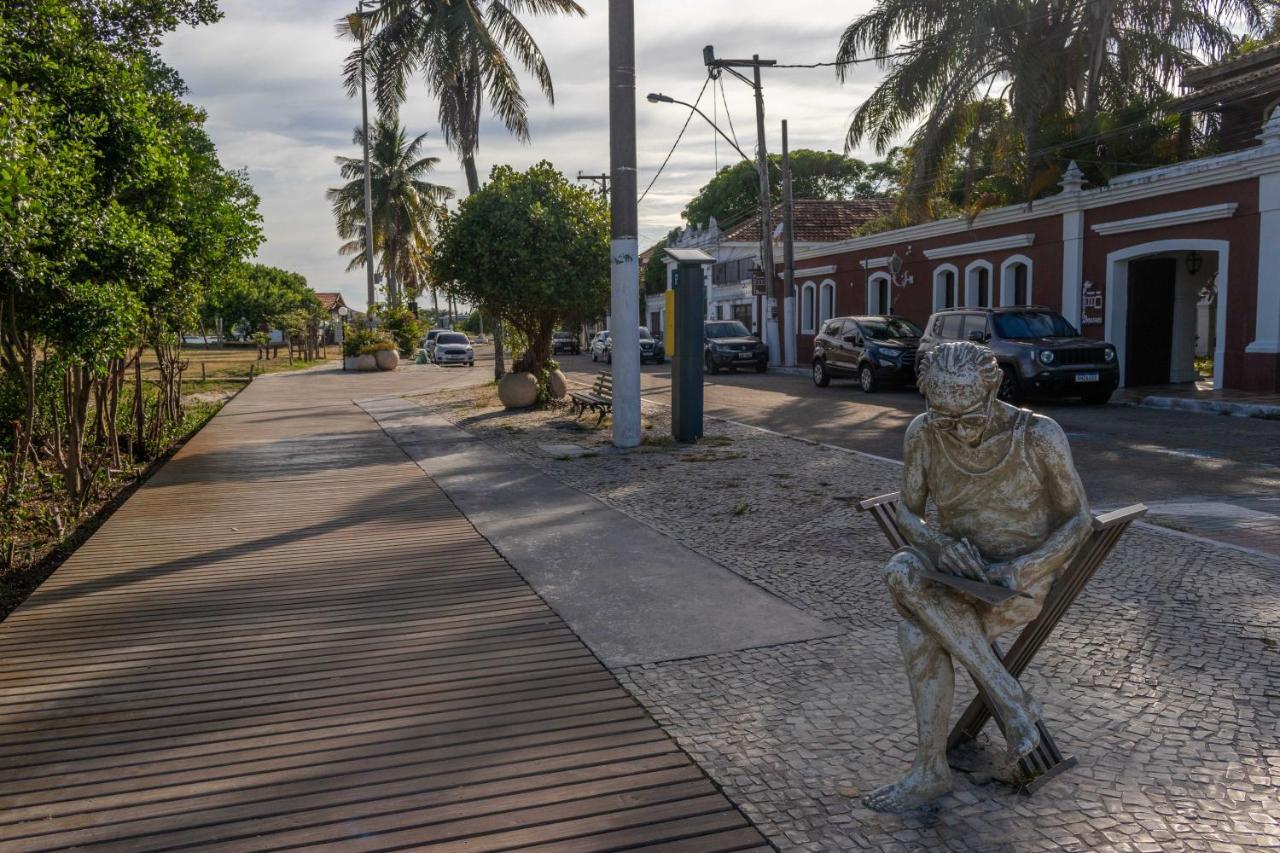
(290, 636)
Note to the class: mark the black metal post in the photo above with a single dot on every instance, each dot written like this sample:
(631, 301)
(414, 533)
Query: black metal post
(686, 369)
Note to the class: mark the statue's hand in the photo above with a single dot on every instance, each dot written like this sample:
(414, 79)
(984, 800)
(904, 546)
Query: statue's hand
(1003, 574)
(962, 559)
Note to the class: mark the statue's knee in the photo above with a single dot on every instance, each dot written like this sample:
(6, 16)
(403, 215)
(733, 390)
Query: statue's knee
(901, 572)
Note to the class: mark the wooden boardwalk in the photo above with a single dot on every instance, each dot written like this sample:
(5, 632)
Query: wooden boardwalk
(291, 638)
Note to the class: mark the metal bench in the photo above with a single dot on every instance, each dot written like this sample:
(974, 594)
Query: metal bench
(599, 399)
(1047, 760)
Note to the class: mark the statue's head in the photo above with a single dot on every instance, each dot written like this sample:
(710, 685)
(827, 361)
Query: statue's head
(960, 380)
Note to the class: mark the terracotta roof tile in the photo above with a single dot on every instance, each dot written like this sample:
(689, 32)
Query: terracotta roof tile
(817, 221)
(330, 301)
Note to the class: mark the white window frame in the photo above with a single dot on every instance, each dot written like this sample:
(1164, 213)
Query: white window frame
(873, 293)
(826, 310)
(971, 283)
(940, 284)
(808, 307)
(1007, 281)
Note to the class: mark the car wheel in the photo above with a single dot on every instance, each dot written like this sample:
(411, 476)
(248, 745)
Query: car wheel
(820, 377)
(1010, 389)
(867, 378)
(593, 355)
(710, 364)
(608, 357)
(1096, 398)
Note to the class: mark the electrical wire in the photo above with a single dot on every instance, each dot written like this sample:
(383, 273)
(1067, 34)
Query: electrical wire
(728, 116)
(675, 144)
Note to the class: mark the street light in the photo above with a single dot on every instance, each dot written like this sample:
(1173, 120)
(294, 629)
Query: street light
(343, 311)
(659, 98)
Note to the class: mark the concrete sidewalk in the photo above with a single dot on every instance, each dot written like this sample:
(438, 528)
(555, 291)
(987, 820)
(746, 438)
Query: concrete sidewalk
(631, 593)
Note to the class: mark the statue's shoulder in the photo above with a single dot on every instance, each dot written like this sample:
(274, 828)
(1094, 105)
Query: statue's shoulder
(913, 441)
(916, 429)
(1045, 435)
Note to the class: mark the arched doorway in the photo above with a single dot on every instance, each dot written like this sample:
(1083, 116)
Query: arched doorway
(1156, 299)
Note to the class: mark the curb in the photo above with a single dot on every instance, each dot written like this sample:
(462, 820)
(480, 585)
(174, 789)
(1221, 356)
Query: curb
(1210, 407)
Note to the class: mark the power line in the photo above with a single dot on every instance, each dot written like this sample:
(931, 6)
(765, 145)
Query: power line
(728, 116)
(675, 144)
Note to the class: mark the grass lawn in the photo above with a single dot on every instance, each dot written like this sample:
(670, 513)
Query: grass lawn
(234, 362)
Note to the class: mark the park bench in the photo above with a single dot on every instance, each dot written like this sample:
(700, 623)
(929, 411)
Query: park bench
(1047, 760)
(599, 399)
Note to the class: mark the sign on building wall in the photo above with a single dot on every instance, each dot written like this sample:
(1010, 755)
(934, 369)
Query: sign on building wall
(1092, 304)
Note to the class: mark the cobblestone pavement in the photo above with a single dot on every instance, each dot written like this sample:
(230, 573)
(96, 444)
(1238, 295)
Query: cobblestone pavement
(1164, 679)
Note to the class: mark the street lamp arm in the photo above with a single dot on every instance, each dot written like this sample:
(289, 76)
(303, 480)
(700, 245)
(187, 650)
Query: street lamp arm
(666, 99)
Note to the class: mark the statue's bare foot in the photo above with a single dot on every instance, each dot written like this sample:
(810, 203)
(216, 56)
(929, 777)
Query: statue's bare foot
(1021, 733)
(912, 791)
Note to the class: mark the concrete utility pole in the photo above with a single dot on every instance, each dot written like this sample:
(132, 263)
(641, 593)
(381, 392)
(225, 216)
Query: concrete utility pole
(625, 225)
(788, 257)
(368, 177)
(768, 324)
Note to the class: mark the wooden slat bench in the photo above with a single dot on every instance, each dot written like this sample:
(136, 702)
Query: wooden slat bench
(599, 399)
(1047, 760)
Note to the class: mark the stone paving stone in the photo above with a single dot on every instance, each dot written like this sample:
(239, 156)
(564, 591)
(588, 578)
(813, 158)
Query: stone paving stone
(1163, 680)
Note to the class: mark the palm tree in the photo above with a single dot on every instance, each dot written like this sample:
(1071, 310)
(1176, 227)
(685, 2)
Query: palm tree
(404, 202)
(1049, 60)
(465, 51)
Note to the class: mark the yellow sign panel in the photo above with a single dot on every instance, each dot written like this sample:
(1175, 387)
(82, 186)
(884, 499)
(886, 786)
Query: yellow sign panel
(669, 323)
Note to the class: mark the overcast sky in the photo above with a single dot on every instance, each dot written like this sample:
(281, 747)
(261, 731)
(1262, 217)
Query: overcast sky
(269, 76)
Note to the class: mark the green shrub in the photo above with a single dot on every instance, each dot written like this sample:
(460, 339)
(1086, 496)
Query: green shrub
(404, 328)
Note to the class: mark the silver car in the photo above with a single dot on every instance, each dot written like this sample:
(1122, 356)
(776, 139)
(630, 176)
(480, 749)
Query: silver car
(453, 348)
(599, 344)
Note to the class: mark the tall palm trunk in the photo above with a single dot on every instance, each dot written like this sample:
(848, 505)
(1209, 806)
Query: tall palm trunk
(473, 186)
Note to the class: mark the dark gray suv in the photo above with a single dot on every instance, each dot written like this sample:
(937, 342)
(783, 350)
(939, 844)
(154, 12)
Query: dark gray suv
(1040, 353)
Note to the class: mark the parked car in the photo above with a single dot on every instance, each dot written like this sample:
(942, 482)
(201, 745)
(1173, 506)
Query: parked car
(1039, 352)
(598, 344)
(565, 342)
(429, 342)
(453, 348)
(874, 349)
(728, 344)
(651, 348)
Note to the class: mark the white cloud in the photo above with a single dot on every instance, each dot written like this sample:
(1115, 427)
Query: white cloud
(269, 76)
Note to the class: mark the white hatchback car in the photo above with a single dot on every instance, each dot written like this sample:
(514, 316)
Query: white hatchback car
(453, 348)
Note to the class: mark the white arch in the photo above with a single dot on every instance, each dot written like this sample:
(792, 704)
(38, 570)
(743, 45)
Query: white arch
(939, 286)
(873, 293)
(826, 301)
(1117, 304)
(808, 307)
(1006, 278)
(971, 283)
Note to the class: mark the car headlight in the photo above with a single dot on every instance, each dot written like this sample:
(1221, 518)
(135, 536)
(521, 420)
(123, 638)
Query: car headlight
(1110, 355)
(1047, 356)
(888, 362)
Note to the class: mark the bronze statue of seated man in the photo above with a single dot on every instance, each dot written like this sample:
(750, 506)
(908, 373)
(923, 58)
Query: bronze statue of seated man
(1011, 511)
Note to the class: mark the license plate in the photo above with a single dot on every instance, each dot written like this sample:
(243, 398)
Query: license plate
(1087, 377)
(746, 356)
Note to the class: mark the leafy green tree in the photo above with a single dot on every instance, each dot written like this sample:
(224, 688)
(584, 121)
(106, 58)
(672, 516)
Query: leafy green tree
(404, 201)
(735, 190)
(1050, 61)
(531, 247)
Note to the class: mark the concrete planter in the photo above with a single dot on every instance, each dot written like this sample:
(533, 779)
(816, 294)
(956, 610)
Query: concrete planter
(366, 363)
(388, 359)
(518, 390)
(559, 385)
(351, 362)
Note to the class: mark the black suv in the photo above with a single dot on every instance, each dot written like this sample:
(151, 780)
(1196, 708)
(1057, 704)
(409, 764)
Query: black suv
(1038, 350)
(728, 344)
(875, 349)
(565, 342)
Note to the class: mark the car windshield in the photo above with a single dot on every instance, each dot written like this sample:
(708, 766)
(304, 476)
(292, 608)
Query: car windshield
(645, 335)
(451, 338)
(1026, 325)
(889, 327)
(732, 329)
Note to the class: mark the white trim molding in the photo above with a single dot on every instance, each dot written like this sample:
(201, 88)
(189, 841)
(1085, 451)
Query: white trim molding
(1116, 309)
(971, 284)
(827, 286)
(1163, 220)
(996, 244)
(1266, 334)
(939, 294)
(1006, 279)
(808, 307)
(811, 272)
(873, 290)
(874, 263)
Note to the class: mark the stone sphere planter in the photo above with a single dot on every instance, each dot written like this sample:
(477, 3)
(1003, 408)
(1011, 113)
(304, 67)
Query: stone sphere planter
(558, 385)
(366, 362)
(518, 390)
(388, 359)
(351, 362)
